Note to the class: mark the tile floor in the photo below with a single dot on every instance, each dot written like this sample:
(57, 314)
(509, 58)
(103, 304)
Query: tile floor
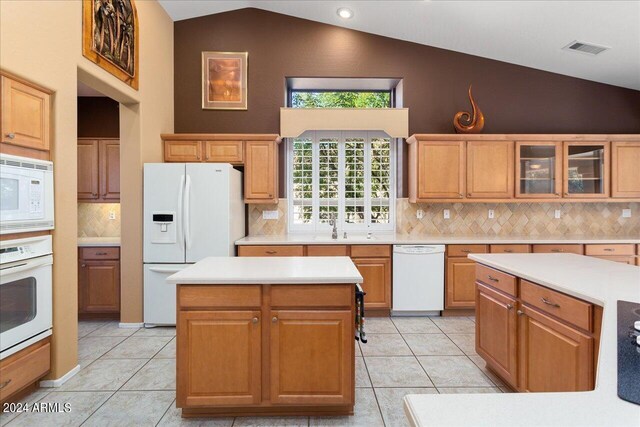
(127, 376)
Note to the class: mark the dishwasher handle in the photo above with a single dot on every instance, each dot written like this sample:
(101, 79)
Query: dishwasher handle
(418, 249)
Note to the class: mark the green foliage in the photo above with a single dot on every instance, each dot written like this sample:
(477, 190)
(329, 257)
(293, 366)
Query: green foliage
(340, 99)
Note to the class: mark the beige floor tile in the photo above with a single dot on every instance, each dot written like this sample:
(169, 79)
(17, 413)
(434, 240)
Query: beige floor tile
(81, 406)
(453, 371)
(480, 363)
(85, 327)
(385, 345)
(158, 331)
(112, 329)
(138, 348)
(455, 325)
(34, 397)
(466, 390)
(415, 325)
(95, 347)
(271, 422)
(396, 372)
(391, 404)
(359, 349)
(157, 374)
(365, 414)
(379, 325)
(104, 375)
(132, 408)
(168, 351)
(173, 418)
(431, 345)
(466, 342)
(362, 375)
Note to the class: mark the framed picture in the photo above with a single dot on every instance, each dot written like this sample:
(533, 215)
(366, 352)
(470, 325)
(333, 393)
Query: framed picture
(110, 37)
(224, 80)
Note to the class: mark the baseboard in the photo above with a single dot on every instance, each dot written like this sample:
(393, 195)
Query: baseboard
(130, 325)
(63, 379)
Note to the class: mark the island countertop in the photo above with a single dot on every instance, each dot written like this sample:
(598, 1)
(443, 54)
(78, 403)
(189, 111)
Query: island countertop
(598, 281)
(268, 271)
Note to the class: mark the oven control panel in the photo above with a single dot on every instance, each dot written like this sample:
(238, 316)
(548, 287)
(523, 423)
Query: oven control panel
(22, 249)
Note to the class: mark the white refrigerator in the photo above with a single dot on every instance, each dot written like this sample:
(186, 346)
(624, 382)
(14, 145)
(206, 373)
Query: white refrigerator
(191, 211)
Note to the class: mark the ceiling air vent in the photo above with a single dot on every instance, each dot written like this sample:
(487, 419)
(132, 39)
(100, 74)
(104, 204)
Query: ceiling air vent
(587, 48)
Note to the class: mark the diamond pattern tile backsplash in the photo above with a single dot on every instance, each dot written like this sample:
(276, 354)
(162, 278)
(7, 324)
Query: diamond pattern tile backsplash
(93, 220)
(469, 219)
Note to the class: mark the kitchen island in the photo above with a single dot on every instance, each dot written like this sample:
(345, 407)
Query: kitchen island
(592, 280)
(265, 336)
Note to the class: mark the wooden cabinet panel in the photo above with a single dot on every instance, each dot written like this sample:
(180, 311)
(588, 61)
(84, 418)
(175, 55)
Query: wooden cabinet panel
(224, 151)
(441, 169)
(553, 356)
(464, 250)
(282, 250)
(609, 250)
(260, 172)
(625, 177)
(219, 358)
(569, 249)
(312, 296)
(496, 332)
(202, 297)
(490, 169)
(100, 253)
(497, 279)
(586, 170)
(110, 170)
(312, 357)
(25, 115)
(460, 283)
(376, 274)
(377, 251)
(88, 170)
(99, 283)
(510, 249)
(23, 368)
(182, 151)
(328, 250)
(563, 306)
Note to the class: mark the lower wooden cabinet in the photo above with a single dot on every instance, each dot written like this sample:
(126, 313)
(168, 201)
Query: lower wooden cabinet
(220, 358)
(460, 288)
(24, 368)
(99, 281)
(376, 273)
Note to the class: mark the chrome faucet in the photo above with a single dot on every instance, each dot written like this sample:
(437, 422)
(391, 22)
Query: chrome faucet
(334, 232)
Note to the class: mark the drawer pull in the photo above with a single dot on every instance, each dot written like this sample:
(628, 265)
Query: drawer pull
(4, 384)
(508, 250)
(556, 250)
(274, 319)
(493, 279)
(465, 251)
(509, 306)
(254, 320)
(83, 265)
(272, 252)
(552, 304)
(101, 253)
(609, 250)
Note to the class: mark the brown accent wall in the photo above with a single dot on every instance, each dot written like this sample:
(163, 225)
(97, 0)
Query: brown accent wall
(514, 99)
(98, 117)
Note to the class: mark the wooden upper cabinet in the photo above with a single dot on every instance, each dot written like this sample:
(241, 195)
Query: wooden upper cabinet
(312, 357)
(625, 162)
(224, 152)
(182, 151)
(26, 115)
(490, 169)
(376, 274)
(261, 172)
(439, 169)
(586, 169)
(88, 169)
(538, 169)
(110, 169)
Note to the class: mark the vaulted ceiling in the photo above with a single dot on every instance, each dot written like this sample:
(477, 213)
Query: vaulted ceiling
(528, 33)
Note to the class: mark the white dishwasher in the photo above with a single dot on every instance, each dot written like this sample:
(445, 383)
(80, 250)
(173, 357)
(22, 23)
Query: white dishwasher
(418, 279)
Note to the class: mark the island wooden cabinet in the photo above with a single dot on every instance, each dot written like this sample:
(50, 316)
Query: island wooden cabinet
(490, 169)
(26, 114)
(98, 170)
(98, 282)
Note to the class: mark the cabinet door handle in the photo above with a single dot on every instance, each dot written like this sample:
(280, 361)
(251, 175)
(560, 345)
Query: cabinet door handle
(254, 320)
(509, 306)
(493, 279)
(272, 252)
(468, 194)
(274, 319)
(557, 194)
(460, 195)
(83, 265)
(566, 194)
(4, 384)
(11, 136)
(552, 304)
(520, 312)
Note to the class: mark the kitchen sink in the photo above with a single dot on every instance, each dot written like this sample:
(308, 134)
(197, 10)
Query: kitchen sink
(341, 239)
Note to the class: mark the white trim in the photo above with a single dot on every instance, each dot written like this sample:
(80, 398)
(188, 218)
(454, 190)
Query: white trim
(130, 325)
(60, 381)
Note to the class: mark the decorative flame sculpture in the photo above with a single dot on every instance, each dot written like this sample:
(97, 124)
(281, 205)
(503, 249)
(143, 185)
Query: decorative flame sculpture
(466, 122)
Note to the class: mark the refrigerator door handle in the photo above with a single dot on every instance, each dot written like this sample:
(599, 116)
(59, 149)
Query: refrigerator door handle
(165, 269)
(187, 213)
(180, 227)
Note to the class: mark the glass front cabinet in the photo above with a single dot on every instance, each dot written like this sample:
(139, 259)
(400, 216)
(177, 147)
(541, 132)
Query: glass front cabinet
(586, 169)
(538, 169)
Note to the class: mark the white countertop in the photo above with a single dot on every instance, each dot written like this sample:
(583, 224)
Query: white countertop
(269, 271)
(98, 241)
(591, 279)
(406, 239)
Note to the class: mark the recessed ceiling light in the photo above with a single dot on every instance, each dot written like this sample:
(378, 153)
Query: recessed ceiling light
(345, 13)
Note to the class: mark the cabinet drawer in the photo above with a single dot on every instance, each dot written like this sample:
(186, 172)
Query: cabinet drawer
(497, 279)
(24, 368)
(283, 250)
(464, 250)
(626, 259)
(100, 253)
(563, 306)
(370, 251)
(219, 296)
(328, 250)
(609, 250)
(510, 249)
(300, 296)
(224, 151)
(569, 249)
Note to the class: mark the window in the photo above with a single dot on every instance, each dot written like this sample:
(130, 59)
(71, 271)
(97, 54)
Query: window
(339, 99)
(347, 176)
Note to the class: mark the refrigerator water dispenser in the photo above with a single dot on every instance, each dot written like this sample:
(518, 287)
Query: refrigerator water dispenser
(164, 230)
